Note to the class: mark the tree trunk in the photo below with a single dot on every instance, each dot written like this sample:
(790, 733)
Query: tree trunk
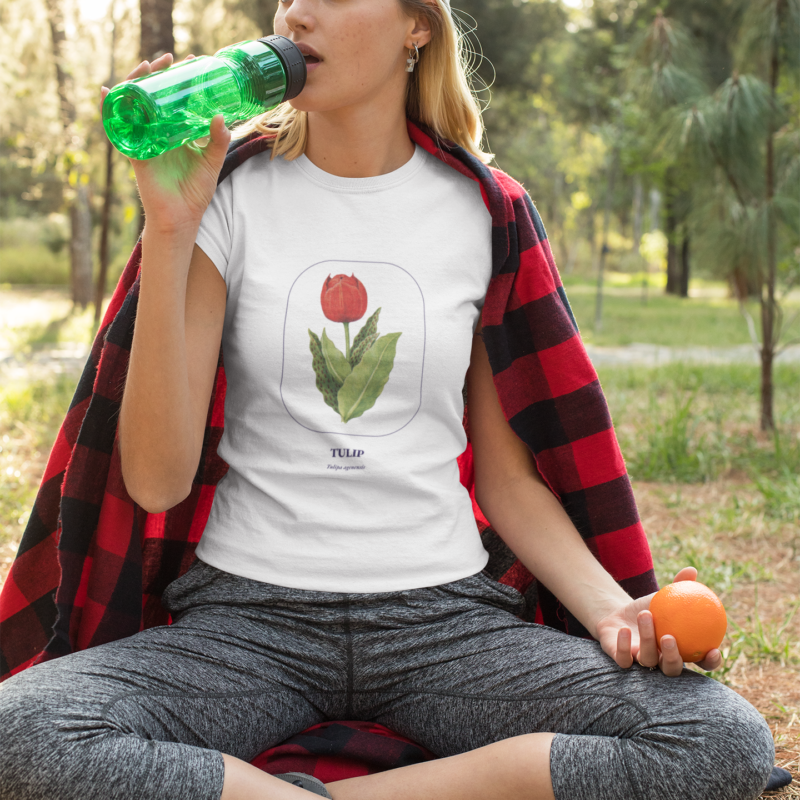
(598, 308)
(684, 272)
(80, 212)
(81, 246)
(100, 288)
(108, 200)
(156, 29)
(673, 268)
(156, 39)
(768, 310)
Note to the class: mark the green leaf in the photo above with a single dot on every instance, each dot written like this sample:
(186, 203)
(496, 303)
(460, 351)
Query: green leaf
(357, 353)
(363, 385)
(369, 330)
(338, 366)
(325, 383)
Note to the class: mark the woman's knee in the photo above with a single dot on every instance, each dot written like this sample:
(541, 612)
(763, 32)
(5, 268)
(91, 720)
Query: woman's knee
(40, 714)
(744, 744)
(27, 729)
(722, 750)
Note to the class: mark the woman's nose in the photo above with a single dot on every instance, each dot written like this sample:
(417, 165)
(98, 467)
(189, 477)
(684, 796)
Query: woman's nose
(299, 15)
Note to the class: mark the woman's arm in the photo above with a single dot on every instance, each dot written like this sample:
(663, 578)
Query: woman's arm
(524, 512)
(172, 368)
(537, 529)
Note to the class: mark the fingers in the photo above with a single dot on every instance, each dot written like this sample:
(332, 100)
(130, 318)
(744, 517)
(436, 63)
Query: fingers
(686, 574)
(145, 68)
(623, 655)
(219, 133)
(648, 648)
(670, 662)
(712, 661)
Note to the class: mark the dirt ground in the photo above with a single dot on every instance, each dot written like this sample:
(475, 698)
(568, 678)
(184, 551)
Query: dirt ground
(771, 686)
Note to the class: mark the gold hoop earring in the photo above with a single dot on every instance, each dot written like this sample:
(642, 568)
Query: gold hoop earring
(412, 59)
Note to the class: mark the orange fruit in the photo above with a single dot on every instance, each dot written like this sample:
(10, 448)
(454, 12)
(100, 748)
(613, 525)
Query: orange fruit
(693, 614)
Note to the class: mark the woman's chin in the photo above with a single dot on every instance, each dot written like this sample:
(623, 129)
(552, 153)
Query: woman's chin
(310, 103)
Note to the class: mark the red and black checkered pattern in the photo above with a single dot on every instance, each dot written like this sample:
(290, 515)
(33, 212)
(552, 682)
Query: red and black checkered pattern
(92, 564)
(333, 751)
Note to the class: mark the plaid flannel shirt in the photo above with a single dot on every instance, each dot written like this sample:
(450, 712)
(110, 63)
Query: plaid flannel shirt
(92, 564)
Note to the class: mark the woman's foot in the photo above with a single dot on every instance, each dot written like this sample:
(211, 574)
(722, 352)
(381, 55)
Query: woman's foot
(778, 779)
(305, 781)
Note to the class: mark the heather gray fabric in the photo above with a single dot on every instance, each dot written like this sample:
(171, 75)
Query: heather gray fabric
(247, 664)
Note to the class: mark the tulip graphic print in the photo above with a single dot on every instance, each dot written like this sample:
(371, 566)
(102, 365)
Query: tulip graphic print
(351, 382)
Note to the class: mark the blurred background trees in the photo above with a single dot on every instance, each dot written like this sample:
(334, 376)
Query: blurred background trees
(658, 140)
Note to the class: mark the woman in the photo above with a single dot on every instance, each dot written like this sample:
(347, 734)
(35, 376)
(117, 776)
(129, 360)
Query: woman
(308, 600)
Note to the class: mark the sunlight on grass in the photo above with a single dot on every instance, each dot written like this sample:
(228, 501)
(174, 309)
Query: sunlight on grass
(631, 316)
(700, 551)
(30, 415)
(695, 423)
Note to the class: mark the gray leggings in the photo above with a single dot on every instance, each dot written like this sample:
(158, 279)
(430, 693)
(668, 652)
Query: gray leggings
(246, 665)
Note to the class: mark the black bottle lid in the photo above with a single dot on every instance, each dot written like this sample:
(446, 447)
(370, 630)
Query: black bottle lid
(294, 63)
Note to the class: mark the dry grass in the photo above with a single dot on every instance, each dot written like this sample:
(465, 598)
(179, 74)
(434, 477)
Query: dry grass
(721, 529)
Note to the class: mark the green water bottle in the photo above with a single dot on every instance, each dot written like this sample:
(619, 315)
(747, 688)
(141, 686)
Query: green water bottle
(147, 116)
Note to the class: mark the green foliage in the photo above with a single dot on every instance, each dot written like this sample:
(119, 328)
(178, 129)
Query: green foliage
(41, 404)
(694, 423)
(30, 416)
(33, 264)
(326, 384)
(781, 494)
(714, 570)
(662, 319)
(365, 338)
(673, 451)
(32, 250)
(766, 642)
(363, 386)
(338, 366)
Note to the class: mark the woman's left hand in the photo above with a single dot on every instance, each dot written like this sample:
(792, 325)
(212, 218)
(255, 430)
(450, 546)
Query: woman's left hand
(628, 634)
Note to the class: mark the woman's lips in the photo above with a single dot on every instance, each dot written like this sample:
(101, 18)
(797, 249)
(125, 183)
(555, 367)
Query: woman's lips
(312, 62)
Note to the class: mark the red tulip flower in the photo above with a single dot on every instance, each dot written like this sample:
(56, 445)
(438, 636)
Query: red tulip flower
(343, 299)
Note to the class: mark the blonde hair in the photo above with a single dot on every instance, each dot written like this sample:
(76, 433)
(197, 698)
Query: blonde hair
(439, 93)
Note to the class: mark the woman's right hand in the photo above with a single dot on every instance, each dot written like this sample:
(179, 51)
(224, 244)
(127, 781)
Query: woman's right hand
(177, 186)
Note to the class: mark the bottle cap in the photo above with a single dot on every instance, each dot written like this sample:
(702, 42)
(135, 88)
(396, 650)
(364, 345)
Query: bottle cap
(294, 63)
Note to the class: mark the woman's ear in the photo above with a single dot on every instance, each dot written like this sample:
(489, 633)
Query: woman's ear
(421, 33)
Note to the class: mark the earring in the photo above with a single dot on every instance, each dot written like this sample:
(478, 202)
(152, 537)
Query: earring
(412, 59)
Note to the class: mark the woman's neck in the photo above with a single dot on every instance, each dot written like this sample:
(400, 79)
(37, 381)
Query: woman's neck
(359, 142)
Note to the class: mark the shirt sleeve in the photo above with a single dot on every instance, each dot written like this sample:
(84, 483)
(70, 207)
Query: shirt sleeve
(215, 235)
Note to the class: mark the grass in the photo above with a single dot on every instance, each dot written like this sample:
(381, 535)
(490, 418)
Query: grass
(30, 415)
(33, 264)
(765, 641)
(75, 326)
(36, 318)
(709, 320)
(695, 423)
(35, 250)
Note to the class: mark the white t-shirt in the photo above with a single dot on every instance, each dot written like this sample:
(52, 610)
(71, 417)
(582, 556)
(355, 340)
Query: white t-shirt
(343, 474)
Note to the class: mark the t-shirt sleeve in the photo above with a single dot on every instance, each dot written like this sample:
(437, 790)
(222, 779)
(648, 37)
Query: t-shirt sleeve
(215, 235)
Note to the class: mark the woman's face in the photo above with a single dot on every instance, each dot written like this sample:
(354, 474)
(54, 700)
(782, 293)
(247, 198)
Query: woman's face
(362, 46)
